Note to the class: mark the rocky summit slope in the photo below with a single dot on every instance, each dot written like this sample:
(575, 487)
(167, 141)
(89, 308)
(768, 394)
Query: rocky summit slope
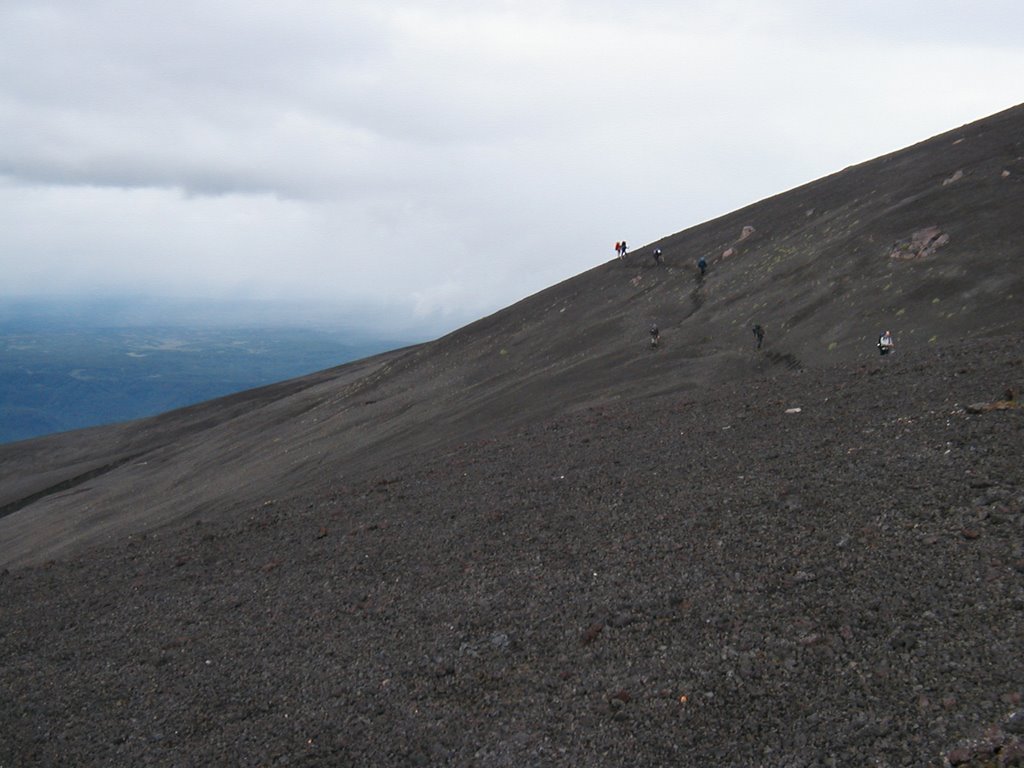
(537, 541)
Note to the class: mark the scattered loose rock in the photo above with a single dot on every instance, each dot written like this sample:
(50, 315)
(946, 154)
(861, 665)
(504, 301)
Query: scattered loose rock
(923, 244)
(957, 175)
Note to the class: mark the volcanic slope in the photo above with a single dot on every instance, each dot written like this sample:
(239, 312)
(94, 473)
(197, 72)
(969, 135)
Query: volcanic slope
(926, 241)
(809, 568)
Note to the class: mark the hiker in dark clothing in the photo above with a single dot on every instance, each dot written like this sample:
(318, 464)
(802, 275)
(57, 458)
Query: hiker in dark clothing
(702, 265)
(655, 336)
(758, 334)
(885, 343)
(657, 256)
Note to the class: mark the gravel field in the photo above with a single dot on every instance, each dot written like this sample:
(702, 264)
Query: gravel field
(691, 580)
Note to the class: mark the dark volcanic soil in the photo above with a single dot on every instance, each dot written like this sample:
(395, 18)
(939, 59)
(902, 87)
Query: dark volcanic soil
(707, 581)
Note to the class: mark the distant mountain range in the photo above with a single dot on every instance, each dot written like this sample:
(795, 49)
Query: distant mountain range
(65, 366)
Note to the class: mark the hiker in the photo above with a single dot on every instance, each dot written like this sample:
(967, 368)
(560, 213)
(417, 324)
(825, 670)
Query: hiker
(655, 336)
(758, 334)
(657, 256)
(885, 343)
(622, 245)
(702, 265)
(618, 249)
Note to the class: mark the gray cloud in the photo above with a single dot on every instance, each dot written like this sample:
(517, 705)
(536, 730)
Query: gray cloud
(445, 158)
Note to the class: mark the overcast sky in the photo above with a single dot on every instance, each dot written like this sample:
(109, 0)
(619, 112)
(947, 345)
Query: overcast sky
(434, 161)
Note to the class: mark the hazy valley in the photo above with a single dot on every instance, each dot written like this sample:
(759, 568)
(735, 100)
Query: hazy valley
(62, 370)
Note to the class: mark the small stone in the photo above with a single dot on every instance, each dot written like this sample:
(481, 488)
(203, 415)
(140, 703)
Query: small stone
(1015, 723)
(959, 756)
(905, 641)
(959, 174)
(590, 633)
(623, 619)
(500, 640)
(970, 534)
(1012, 755)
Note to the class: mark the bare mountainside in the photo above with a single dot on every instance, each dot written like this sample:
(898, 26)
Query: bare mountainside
(711, 581)
(537, 541)
(927, 242)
